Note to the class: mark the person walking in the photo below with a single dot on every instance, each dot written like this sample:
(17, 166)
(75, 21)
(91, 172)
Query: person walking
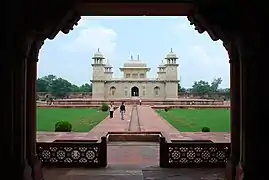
(140, 102)
(111, 110)
(122, 111)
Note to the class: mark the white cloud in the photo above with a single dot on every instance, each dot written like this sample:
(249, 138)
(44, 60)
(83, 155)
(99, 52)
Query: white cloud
(92, 38)
(207, 64)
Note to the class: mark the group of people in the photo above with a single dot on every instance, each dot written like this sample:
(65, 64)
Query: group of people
(122, 109)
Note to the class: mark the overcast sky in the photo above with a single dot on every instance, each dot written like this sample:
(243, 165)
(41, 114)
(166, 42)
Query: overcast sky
(69, 56)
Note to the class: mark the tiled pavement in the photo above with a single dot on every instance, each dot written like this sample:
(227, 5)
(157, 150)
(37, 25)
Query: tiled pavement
(124, 172)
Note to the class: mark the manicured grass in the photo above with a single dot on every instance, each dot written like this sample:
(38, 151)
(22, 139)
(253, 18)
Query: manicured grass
(82, 120)
(192, 120)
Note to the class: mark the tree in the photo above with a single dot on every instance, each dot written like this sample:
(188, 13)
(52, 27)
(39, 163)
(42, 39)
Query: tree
(60, 88)
(201, 87)
(215, 84)
(85, 88)
(42, 85)
(181, 89)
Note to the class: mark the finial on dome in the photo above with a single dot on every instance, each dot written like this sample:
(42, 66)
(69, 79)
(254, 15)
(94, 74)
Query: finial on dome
(171, 50)
(98, 50)
(138, 57)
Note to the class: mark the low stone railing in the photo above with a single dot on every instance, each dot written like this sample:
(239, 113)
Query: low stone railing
(73, 153)
(193, 154)
(190, 107)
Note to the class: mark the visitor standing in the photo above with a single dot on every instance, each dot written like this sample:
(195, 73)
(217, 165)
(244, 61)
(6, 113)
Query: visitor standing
(140, 102)
(111, 110)
(122, 111)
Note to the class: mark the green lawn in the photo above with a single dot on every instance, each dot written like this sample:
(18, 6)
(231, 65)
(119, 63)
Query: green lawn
(192, 120)
(82, 120)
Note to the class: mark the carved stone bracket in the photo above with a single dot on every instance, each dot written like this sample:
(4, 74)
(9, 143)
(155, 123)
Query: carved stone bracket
(216, 27)
(202, 23)
(34, 51)
(47, 18)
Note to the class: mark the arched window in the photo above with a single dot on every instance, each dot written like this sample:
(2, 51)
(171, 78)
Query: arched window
(112, 91)
(157, 91)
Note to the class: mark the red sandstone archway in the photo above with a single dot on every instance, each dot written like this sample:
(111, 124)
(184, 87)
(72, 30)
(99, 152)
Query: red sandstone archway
(216, 18)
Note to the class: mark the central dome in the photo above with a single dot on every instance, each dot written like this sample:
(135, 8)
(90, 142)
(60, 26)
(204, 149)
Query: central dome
(135, 63)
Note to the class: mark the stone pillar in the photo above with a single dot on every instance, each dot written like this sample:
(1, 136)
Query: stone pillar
(253, 129)
(20, 168)
(235, 106)
(31, 111)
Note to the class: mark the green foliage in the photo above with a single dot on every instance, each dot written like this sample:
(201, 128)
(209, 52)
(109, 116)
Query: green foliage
(205, 129)
(166, 109)
(63, 126)
(104, 107)
(201, 87)
(59, 87)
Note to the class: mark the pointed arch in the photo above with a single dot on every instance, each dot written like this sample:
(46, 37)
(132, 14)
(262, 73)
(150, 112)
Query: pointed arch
(156, 90)
(112, 90)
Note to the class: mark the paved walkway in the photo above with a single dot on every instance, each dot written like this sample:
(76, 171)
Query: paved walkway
(151, 121)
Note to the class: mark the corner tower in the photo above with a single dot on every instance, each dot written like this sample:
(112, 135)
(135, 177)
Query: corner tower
(171, 75)
(161, 71)
(98, 76)
(171, 66)
(108, 71)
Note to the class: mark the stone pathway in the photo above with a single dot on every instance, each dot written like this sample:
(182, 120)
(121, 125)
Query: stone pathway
(151, 121)
(133, 153)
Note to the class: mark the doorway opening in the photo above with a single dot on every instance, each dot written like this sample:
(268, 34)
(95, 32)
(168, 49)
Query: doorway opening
(135, 91)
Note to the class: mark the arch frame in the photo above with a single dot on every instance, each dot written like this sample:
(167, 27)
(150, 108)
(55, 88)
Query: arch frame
(135, 91)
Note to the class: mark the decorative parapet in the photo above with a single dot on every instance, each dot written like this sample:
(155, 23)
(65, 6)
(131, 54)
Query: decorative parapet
(193, 153)
(73, 153)
(136, 80)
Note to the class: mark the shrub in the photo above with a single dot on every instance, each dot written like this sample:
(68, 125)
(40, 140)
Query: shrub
(205, 129)
(166, 109)
(63, 126)
(104, 107)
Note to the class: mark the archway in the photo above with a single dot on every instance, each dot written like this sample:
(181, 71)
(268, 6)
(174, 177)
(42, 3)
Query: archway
(112, 91)
(135, 91)
(203, 23)
(156, 91)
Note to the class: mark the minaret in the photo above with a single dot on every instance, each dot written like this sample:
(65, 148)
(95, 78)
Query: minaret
(108, 70)
(98, 66)
(161, 71)
(98, 76)
(171, 76)
(171, 66)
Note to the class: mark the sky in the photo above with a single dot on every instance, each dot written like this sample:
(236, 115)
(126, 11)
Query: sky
(69, 56)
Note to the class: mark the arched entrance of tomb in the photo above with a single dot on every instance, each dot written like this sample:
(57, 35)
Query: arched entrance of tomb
(112, 91)
(134, 91)
(156, 91)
